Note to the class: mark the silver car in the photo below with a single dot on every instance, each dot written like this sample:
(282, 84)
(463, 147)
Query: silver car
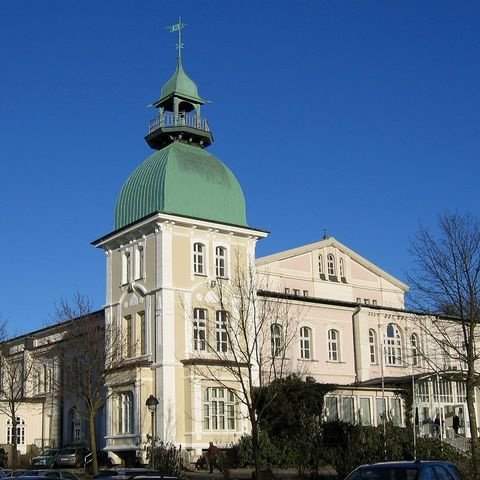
(72, 457)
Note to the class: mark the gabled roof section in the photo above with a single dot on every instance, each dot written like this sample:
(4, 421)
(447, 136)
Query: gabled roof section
(331, 242)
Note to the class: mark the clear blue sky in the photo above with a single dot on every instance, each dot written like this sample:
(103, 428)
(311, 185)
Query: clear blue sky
(359, 117)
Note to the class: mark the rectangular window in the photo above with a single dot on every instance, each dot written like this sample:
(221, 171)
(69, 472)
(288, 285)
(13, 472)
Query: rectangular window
(199, 329)
(139, 262)
(395, 411)
(366, 301)
(305, 293)
(348, 410)
(125, 412)
(461, 392)
(221, 335)
(287, 290)
(221, 262)
(127, 332)
(218, 409)
(331, 409)
(296, 291)
(374, 302)
(423, 392)
(143, 333)
(381, 410)
(365, 411)
(442, 391)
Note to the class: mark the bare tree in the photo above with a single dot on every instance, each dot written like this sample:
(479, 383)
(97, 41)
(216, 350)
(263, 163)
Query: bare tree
(446, 280)
(17, 368)
(85, 360)
(252, 333)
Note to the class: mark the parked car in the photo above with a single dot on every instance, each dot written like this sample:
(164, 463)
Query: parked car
(123, 473)
(36, 474)
(72, 457)
(46, 460)
(407, 470)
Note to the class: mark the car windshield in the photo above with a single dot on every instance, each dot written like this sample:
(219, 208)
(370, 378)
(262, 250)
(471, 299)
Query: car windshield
(49, 453)
(385, 473)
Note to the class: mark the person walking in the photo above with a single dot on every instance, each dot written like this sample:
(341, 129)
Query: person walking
(212, 454)
(456, 423)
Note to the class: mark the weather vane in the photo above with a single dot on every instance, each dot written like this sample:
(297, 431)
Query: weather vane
(178, 27)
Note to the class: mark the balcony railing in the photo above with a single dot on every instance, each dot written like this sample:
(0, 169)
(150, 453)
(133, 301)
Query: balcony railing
(168, 119)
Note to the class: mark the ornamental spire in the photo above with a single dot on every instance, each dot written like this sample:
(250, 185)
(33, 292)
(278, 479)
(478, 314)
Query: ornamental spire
(178, 27)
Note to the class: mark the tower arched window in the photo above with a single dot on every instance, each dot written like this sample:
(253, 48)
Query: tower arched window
(415, 352)
(305, 343)
(332, 270)
(276, 339)
(221, 262)
(199, 258)
(372, 343)
(393, 345)
(333, 345)
(320, 264)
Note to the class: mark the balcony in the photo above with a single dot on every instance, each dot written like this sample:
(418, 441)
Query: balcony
(170, 120)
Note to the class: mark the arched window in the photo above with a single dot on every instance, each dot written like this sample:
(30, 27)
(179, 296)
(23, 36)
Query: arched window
(333, 345)
(305, 343)
(125, 412)
(341, 268)
(199, 258)
(20, 428)
(372, 342)
(276, 339)
(199, 329)
(221, 262)
(332, 271)
(393, 345)
(320, 264)
(415, 353)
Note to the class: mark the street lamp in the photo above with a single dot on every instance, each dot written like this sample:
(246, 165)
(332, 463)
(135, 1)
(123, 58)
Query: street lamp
(151, 404)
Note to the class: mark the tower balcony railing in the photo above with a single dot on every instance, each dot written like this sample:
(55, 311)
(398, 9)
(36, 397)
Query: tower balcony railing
(168, 119)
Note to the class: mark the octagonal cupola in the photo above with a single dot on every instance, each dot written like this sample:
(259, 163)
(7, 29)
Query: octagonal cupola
(179, 109)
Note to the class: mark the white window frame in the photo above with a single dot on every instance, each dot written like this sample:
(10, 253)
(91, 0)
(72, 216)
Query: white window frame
(276, 340)
(305, 343)
(126, 266)
(320, 264)
(219, 409)
(139, 262)
(200, 316)
(333, 345)
(331, 265)
(126, 423)
(221, 334)
(414, 344)
(341, 268)
(221, 261)
(372, 343)
(393, 345)
(20, 426)
(199, 258)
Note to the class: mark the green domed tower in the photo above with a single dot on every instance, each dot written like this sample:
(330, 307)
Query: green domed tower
(181, 178)
(180, 232)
